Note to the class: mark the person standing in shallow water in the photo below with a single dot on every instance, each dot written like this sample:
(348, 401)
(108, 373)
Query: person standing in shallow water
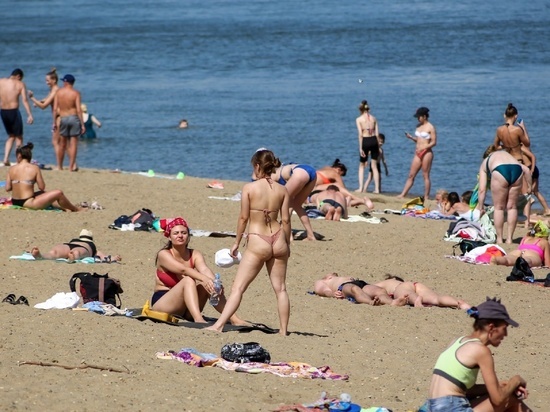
(425, 138)
(367, 129)
(51, 82)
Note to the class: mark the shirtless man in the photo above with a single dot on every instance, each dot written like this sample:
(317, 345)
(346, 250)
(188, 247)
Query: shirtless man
(332, 203)
(11, 89)
(418, 294)
(357, 291)
(67, 106)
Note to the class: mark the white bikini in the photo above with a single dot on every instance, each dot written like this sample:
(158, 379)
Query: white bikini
(422, 135)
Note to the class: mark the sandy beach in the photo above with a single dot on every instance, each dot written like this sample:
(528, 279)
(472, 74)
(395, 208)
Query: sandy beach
(387, 352)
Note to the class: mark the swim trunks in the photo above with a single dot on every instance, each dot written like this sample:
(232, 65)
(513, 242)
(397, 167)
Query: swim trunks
(333, 203)
(12, 121)
(70, 126)
(370, 145)
(360, 283)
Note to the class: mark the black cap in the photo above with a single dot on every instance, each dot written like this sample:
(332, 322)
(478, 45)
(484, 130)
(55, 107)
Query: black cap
(421, 111)
(493, 309)
(69, 78)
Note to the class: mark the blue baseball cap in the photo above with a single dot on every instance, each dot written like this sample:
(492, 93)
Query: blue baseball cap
(69, 78)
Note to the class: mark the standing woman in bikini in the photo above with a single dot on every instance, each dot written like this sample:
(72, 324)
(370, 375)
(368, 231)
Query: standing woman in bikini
(51, 82)
(367, 129)
(511, 136)
(24, 175)
(425, 138)
(299, 180)
(262, 202)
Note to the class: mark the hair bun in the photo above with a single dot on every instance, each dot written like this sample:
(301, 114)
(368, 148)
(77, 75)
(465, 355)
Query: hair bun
(510, 105)
(30, 145)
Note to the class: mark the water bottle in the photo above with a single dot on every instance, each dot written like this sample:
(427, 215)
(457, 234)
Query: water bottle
(215, 297)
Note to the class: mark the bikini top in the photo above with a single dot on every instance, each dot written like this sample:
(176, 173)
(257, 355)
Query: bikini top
(282, 180)
(90, 243)
(27, 182)
(422, 135)
(532, 246)
(170, 279)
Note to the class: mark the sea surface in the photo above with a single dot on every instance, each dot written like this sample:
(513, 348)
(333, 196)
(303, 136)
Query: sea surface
(286, 75)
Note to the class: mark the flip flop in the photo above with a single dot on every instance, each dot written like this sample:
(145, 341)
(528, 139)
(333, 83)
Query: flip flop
(9, 299)
(21, 301)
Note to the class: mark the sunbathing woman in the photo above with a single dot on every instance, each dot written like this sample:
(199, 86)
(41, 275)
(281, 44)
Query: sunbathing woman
(453, 385)
(21, 179)
(331, 174)
(262, 201)
(534, 248)
(425, 139)
(299, 179)
(183, 282)
(355, 290)
(76, 249)
(460, 207)
(418, 294)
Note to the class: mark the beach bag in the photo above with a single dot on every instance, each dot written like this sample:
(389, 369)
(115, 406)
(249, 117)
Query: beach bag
(245, 352)
(521, 272)
(467, 245)
(143, 219)
(95, 287)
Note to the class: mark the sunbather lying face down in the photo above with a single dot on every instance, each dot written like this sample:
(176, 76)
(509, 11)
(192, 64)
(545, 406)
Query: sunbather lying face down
(358, 291)
(419, 294)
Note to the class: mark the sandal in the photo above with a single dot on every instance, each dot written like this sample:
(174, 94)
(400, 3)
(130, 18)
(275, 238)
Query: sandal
(9, 299)
(96, 206)
(21, 301)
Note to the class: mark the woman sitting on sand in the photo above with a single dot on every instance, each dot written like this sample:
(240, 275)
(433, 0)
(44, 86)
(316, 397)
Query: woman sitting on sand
(183, 282)
(418, 294)
(21, 179)
(534, 248)
(76, 249)
(262, 202)
(453, 385)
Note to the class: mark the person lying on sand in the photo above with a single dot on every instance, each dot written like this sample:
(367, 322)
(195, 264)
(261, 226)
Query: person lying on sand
(418, 294)
(332, 203)
(534, 248)
(355, 290)
(76, 249)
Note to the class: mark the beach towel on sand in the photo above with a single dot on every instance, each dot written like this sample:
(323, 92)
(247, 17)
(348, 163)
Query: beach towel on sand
(283, 369)
(27, 256)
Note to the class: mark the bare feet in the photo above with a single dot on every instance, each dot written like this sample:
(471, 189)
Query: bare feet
(376, 301)
(400, 197)
(35, 252)
(463, 305)
(213, 329)
(418, 302)
(71, 256)
(402, 301)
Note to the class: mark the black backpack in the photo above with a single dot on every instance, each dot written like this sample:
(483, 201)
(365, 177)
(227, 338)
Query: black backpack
(95, 287)
(245, 352)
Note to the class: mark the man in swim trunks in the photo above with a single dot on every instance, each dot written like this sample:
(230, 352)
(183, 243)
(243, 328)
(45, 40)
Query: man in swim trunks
(11, 89)
(354, 290)
(67, 106)
(332, 203)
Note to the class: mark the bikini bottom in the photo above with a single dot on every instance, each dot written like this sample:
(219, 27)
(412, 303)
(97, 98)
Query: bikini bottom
(271, 239)
(422, 153)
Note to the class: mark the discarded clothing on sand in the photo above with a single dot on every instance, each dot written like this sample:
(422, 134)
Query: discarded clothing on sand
(283, 369)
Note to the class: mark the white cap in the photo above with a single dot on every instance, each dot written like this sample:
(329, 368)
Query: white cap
(225, 260)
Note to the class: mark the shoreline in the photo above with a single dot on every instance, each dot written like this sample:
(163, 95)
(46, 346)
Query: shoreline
(377, 347)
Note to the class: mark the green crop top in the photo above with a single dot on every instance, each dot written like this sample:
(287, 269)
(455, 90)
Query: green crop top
(449, 367)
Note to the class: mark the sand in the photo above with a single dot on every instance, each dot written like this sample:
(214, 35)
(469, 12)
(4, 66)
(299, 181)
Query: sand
(388, 352)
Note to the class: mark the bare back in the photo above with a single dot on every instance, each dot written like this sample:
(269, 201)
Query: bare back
(22, 178)
(366, 125)
(10, 90)
(511, 138)
(68, 102)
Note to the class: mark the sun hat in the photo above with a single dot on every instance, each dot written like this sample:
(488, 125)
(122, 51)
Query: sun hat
(492, 309)
(69, 78)
(421, 111)
(224, 259)
(86, 234)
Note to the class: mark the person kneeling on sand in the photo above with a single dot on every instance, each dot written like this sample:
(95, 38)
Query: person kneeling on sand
(332, 203)
(419, 294)
(75, 249)
(355, 290)
(534, 248)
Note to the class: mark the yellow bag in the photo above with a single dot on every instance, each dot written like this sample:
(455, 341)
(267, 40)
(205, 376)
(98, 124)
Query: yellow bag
(147, 312)
(417, 201)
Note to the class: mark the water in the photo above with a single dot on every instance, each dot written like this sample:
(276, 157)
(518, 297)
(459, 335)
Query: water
(285, 75)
